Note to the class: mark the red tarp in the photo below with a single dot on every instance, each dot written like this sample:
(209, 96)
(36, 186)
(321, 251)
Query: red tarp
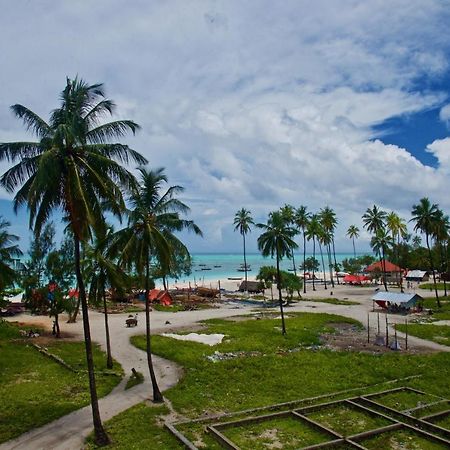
(162, 297)
(355, 279)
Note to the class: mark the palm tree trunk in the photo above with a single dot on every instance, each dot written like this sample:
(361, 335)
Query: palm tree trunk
(383, 268)
(354, 249)
(164, 282)
(245, 263)
(441, 251)
(109, 361)
(57, 329)
(323, 266)
(335, 262)
(314, 257)
(330, 264)
(304, 258)
(101, 438)
(295, 271)
(280, 298)
(157, 396)
(432, 270)
(73, 316)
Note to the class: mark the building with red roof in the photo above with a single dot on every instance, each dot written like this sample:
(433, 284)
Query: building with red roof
(378, 267)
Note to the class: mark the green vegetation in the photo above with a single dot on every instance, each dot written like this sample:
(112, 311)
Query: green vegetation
(332, 301)
(36, 389)
(442, 313)
(134, 380)
(138, 427)
(430, 286)
(401, 439)
(347, 420)
(436, 333)
(402, 400)
(289, 432)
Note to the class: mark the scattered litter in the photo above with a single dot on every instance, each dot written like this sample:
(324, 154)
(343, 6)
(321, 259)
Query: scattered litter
(219, 356)
(208, 339)
(29, 334)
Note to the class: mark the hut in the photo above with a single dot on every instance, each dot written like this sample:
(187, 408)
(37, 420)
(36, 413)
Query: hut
(418, 275)
(355, 279)
(161, 297)
(393, 272)
(253, 287)
(397, 302)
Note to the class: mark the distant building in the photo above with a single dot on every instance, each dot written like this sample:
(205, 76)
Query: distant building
(417, 275)
(393, 272)
(254, 287)
(396, 302)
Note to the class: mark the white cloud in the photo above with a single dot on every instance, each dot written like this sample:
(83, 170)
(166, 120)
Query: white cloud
(247, 104)
(444, 114)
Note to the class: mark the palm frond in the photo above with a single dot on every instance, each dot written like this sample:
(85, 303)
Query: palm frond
(31, 120)
(111, 130)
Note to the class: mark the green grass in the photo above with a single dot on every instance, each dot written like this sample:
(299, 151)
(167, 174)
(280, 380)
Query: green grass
(139, 427)
(347, 420)
(442, 313)
(35, 390)
(288, 432)
(281, 369)
(332, 301)
(436, 333)
(402, 400)
(171, 308)
(134, 380)
(401, 439)
(430, 286)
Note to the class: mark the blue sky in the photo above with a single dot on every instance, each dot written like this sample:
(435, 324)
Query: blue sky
(252, 104)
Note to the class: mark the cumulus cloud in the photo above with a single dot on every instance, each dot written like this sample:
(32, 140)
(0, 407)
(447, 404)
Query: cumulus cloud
(444, 114)
(248, 104)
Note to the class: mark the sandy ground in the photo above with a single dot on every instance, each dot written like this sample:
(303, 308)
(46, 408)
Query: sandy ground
(69, 432)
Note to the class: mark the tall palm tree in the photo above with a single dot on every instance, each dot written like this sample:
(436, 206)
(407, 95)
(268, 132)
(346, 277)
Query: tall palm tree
(277, 240)
(352, 233)
(397, 226)
(73, 167)
(312, 233)
(152, 222)
(441, 229)
(301, 219)
(102, 271)
(323, 238)
(425, 215)
(9, 251)
(374, 219)
(329, 222)
(380, 243)
(242, 223)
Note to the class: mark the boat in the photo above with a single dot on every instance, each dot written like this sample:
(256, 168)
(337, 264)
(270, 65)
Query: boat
(235, 278)
(243, 268)
(206, 268)
(217, 266)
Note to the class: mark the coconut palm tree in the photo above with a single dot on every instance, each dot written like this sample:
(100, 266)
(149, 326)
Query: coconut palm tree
(323, 238)
(301, 219)
(328, 221)
(103, 271)
(397, 226)
(73, 167)
(425, 214)
(380, 243)
(352, 233)
(441, 229)
(9, 251)
(152, 222)
(374, 219)
(277, 240)
(312, 233)
(242, 223)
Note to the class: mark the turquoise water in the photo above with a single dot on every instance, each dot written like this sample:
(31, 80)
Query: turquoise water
(230, 262)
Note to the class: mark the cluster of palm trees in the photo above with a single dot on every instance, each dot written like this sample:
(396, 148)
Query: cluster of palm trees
(278, 238)
(76, 167)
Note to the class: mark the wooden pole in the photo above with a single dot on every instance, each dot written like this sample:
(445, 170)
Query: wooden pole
(220, 292)
(406, 330)
(387, 332)
(368, 328)
(378, 323)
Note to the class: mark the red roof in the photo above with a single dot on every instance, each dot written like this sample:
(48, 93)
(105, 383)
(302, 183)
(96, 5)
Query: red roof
(355, 279)
(389, 267)
(163, 297)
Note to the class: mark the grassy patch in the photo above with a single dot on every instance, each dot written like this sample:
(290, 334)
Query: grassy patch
(134, 380)
(332, 301)
(436, 333)
(402, 400)
(171, 308)
(139, 427)
(347, 420)
(442, 313)
(402, 439)
(286, 433)
(430, 286)
(35, 389)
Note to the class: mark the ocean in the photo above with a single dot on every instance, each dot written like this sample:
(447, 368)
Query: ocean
(218, 266)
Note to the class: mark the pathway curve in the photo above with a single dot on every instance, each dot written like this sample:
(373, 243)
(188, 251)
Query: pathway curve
(70, 431)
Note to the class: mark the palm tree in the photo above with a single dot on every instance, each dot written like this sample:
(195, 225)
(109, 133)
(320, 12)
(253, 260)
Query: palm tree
(352, 233)
(425, 215)
(9, 251)
(374, 219)
(150, 234)
(102, 271)
(277, 239)
(329, 222)
(323, 238)
(301, 218)
(312, 233)
(441, 230)
(242, 221)
(380, 243)
(397, 226)
(75, 168)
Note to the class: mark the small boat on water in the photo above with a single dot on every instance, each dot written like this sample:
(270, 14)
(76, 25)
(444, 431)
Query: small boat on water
(206, 268)
(243, 268)
(217, 266)
(235, 278)
(202, 265)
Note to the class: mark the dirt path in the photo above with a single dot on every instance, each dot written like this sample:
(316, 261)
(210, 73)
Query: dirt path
(69, 432)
